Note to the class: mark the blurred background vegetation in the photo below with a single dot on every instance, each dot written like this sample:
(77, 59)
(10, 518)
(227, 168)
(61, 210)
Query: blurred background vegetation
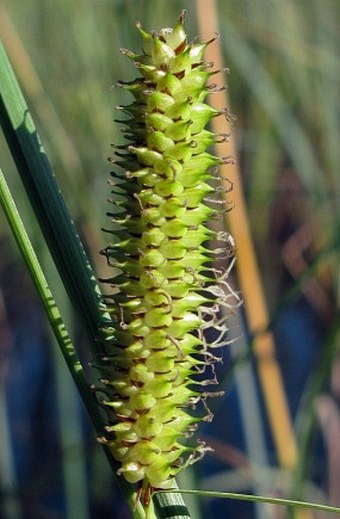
(284, 88)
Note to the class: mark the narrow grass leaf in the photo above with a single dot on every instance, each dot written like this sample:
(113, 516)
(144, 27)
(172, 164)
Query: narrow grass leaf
(47, 202)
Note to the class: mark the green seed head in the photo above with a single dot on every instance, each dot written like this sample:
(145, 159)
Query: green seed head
(167, 293)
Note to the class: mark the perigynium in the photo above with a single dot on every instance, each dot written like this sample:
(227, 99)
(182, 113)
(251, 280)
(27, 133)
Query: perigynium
(169, 288)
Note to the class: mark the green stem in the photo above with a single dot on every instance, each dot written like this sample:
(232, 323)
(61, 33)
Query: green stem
(44, 291)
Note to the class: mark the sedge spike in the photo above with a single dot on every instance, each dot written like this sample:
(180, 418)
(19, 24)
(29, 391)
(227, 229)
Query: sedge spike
(169, 291)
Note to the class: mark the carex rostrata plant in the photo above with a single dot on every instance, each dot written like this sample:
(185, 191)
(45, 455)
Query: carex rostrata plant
(169, 289)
